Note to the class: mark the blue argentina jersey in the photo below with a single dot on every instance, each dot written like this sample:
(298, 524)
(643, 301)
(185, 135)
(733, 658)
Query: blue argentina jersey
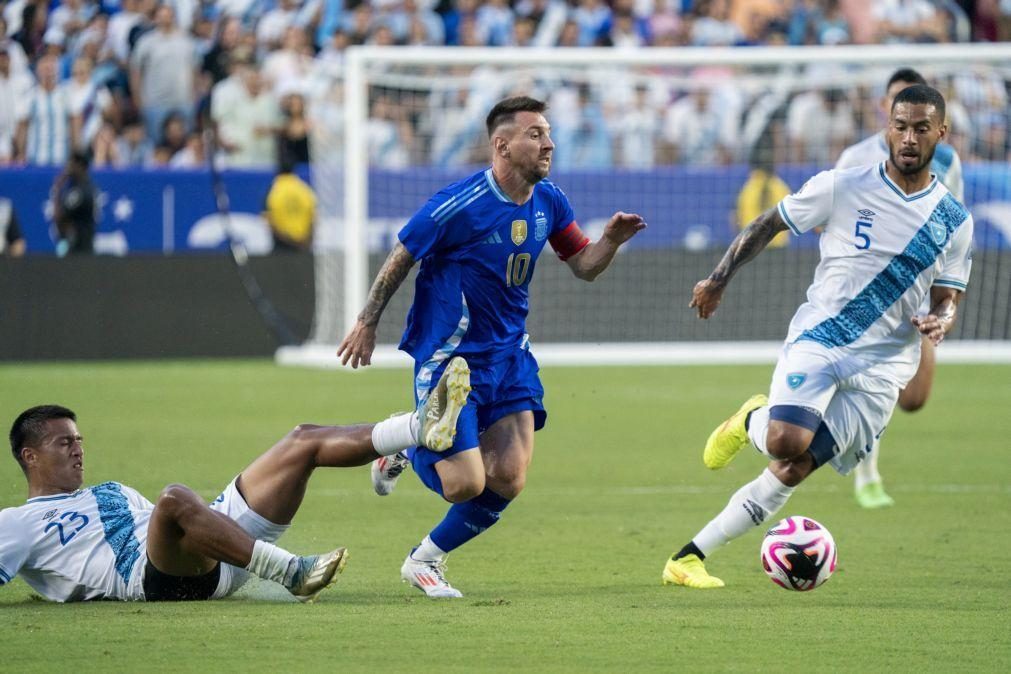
(478, 250)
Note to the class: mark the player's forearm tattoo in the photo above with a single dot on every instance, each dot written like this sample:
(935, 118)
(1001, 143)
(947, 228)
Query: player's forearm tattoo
(748, 244)
(394, 271)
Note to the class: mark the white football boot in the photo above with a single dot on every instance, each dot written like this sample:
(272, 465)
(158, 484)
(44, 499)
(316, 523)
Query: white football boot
(428, 576)
(386, 470)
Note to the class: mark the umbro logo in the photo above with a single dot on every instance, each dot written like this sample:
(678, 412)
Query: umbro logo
(867, 213)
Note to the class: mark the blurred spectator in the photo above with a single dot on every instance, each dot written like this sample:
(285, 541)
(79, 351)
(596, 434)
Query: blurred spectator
(637, 131)
(162, 72)
(453, 19)
(290, 210)
(700, 128)
(820, 125)
(389, 135)
(272, 25)
(246, 116)
(12, 241)
(44, 131)
(33, 29)
(582, 137)
(121, 25)
(713, 27)
(909, 21)
(547, 17)
(133, 147)
(193, 155)
(90, 104)
(288, 68)
(75, 199)
(293, 136)
(593, 18)
(495, 22)
(418, 25)
(71, 16)
(763, 189)
(10, 101)
(173, 132)
(219, 57)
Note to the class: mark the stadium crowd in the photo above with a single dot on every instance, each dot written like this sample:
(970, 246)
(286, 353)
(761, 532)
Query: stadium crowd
(134, 83)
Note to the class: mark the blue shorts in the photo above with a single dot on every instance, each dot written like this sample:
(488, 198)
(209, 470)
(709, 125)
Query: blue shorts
(498, 390)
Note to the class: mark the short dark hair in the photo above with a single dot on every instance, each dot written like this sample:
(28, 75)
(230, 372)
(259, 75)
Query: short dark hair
(921, 94)
(30, 425)
(905, 75)
(505, 111)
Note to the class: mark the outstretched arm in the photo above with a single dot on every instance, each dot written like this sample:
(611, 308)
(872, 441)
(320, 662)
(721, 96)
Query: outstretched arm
(588, 263)
(750, 242)
(360, 342)
(941, 319)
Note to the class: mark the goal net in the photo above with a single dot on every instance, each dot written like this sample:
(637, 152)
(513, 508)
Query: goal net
(698, 141)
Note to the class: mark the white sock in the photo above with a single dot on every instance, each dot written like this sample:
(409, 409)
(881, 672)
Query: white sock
(866, 471)
(271, 562)
(429, 551)
(750, 507)
(758, 429)
(396, 433)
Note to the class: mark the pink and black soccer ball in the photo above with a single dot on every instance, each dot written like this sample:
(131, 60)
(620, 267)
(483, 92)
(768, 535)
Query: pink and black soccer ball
(798, 553)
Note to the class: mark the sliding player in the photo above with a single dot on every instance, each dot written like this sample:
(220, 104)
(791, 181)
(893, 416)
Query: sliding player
(893, 235)
(108, 542)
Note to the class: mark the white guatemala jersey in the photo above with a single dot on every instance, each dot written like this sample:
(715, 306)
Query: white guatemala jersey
(73, 547)
(881, 251)
(945, 165)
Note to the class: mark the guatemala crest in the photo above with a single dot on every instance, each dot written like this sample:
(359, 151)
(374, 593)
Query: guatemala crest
(519, 232)
(540, 226)
(795, 379)
(939, 232)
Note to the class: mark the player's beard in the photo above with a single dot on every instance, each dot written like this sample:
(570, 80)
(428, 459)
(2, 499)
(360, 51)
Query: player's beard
(537, 173)
(915, 168)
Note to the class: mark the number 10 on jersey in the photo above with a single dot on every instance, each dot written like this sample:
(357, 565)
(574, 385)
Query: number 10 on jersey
(517, 268)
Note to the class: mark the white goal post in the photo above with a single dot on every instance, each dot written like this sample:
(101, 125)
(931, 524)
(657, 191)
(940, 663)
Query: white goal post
(410, 79)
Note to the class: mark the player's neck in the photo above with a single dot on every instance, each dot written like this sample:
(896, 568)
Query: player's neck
(908, 183)
(36, 489)
(512, 184)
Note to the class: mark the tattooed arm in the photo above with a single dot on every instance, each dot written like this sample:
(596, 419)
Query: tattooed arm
(360, 342)
(708, 292)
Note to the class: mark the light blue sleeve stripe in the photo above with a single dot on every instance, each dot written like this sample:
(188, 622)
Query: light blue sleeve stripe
(787, 220)
(951, 284)
(4, 576)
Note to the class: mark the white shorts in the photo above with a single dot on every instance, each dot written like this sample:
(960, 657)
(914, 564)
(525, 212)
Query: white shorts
(854, 397)
(231, 503)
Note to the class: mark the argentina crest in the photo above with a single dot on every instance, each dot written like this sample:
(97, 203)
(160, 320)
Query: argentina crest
(519, 232)
(540, 226)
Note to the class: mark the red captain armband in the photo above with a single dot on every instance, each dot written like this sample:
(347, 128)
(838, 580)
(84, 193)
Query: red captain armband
(569, 241)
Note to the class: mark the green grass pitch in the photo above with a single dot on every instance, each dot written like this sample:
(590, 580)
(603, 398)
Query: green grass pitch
(570, 579)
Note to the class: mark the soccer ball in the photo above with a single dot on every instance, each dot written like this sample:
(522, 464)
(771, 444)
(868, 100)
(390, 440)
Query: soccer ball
(798, 553)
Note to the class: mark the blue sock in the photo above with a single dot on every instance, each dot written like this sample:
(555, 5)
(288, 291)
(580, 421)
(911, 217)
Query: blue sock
(466, 520)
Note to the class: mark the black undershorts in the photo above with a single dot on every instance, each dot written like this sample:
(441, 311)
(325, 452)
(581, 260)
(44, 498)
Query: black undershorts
(160, 586)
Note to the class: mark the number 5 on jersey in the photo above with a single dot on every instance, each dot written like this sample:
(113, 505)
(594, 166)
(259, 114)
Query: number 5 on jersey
(517, 268)
(862, 237)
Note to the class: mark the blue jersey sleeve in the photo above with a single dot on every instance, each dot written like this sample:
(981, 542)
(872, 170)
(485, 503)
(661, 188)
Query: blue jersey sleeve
(434, 228)
(564, 216)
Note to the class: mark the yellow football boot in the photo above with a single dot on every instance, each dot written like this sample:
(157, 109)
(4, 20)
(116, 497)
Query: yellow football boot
(690, 572)
(731, 436)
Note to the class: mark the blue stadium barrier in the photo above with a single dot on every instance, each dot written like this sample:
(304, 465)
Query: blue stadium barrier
(173, 211)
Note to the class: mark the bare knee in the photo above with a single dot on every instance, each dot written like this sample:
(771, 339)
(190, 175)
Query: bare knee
(177, 501)
(786, 441)
(509, 487)
(460, 490)
(793, 471)
(301, 443)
